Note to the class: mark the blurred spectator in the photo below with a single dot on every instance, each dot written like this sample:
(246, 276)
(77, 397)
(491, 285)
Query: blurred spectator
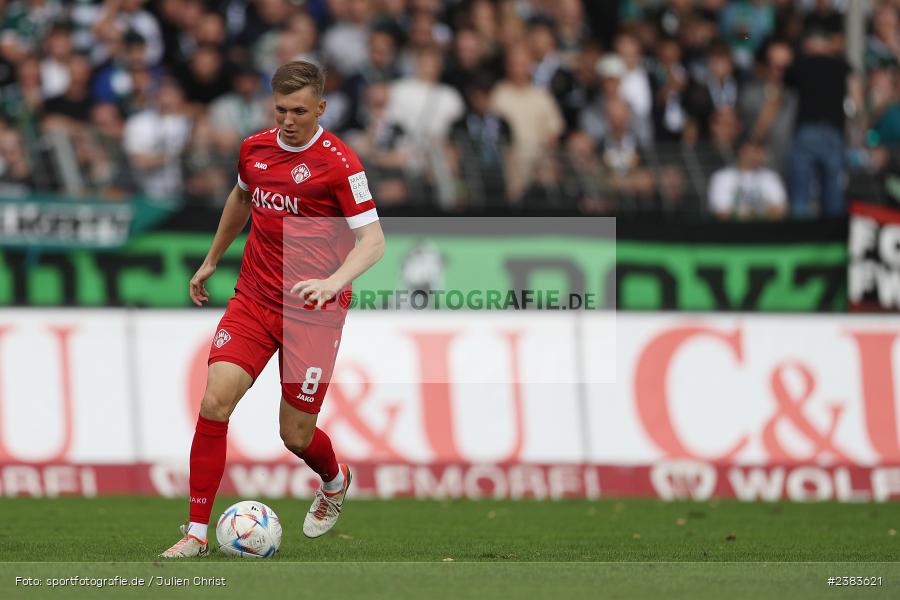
(748, 189)
(210, 29)
(155, 139)
(15, 170)
(545, 49)
(381, 144)
(572, 27)
(142, 90)
(468, 59)
(107, 170)
(248, 21)
(635, 86)
(714, 89)
(745, 25)
(605, 17)
(344, 45)
(669, 80)
(288, 48)
(571, 90)
(419, 33)
(696, 38)
(583, 179)
(681, 66)
(208, 172)
(73, 107)
(483, 18)
(672, 16)
(582, 87)
(593, 119)
(380, 66)
(303, 28)
(421, 105)
(788, 20)
(295, 41)
(55, 65)
(340, 113)
(120, 16)
(205, 78)
(23, 100)
(630, 181)
(424, 28)
(824, 17)
(481, 142)
(817, 155)
(392, 15)
(178, 20)
(884, 108)
(719, 150)
(534, 118)
(7, 72)
(25, 25)
(724, 131)
(242, 112)
(113, 81)
(883, 44)
(767, 106)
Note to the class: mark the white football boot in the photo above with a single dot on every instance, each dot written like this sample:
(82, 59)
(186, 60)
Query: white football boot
(187, 546)
(326, 508)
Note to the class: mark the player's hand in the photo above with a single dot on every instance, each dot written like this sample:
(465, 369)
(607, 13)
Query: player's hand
(198, 288)
(316, 292)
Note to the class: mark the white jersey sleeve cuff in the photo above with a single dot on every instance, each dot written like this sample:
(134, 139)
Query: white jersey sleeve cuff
(362, 219)
(243, 185)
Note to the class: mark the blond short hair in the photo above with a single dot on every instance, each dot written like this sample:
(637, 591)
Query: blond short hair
(294, 76)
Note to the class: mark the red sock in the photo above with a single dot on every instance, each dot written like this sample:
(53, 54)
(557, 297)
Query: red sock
(207, 466)
(319, 455)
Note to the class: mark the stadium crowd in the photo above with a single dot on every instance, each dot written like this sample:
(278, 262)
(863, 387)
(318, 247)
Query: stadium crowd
(738, 108)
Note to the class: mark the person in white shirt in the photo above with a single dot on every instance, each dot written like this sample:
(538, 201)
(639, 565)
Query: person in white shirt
(54, 66)
(748, 189)
(535, 120)
(242, 112)
(345, 44)
(635, 88)
(423, 106)
(154, 141)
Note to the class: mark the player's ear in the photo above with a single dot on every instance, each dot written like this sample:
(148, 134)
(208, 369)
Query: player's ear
(321, 109)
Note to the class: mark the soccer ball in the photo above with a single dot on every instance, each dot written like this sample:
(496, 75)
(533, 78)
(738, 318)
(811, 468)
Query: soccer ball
(249, 529)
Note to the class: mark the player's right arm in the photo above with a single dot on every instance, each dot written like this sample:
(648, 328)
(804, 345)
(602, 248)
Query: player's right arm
(234, 218)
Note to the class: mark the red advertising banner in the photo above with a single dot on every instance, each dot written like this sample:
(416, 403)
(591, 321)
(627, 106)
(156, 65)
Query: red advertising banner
(678, 480)
(471, 405)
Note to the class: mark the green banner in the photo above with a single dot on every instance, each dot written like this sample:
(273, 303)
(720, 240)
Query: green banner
(153, 270)
(47, 222)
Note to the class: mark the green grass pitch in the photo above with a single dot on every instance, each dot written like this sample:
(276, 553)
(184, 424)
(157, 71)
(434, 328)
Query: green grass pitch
(466, 549)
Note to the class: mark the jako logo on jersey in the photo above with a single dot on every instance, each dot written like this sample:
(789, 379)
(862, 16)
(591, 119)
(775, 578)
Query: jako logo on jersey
(301, 173)
(221, 338)
(275, 201)
(260, 165)
(305, 398)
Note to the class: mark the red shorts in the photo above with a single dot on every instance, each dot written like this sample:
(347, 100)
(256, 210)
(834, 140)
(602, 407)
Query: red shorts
(249, 334)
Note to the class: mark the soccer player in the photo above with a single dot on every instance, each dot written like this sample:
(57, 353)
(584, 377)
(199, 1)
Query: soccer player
(314, 229)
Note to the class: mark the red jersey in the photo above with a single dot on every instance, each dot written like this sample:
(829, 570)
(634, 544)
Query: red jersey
(306, 202)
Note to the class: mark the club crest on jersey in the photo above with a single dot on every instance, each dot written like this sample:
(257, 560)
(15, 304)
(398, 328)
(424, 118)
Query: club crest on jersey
(221, 338)
(301, 173)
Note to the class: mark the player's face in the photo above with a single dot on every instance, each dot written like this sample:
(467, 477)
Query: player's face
(297, 114)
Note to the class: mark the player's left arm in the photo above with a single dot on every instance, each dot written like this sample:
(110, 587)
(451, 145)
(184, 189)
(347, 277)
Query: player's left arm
(368, 250)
